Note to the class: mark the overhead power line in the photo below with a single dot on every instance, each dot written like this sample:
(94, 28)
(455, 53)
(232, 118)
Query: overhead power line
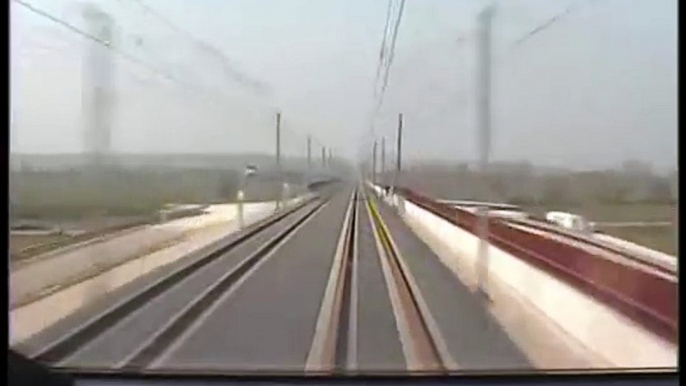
(386, 58)
(229, 70)
(108, 45)
(548, 23)
(286, 126)
(131, 58)
(539, 28)
(382, 53)
(63, 23)
(391, 52)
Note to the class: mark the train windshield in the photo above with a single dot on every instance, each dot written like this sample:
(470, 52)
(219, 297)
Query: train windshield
(343, 186)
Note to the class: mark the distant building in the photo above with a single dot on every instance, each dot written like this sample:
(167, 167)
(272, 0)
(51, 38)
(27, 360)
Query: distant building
(250, 170)
(637, 168)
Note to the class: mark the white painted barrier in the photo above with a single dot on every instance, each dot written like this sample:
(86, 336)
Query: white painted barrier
(601, 330)
(178, 211)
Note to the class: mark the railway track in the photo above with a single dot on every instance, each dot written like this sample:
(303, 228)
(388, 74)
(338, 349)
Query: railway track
(336, 297)
(209, 274)
(334, 347)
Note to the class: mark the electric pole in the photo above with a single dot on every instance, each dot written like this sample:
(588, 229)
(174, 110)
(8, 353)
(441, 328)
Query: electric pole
(374, 163)
(309, 152)
(98, 83)
(383, 159)
(323, 157)
(278, 159)
(484, 114)
(398, 152)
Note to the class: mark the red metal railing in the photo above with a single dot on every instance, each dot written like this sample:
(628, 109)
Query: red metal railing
(648, 299)
(589, 241)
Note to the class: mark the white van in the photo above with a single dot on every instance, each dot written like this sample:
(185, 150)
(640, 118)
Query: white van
(569, 221)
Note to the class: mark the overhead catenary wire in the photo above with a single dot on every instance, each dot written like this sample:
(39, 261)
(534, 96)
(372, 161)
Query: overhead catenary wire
(111, 47)
(261, 87)
(382, 53)
(569, 10)
(123, 54)
(387, 51)
(548, 23)
(519, 42)
(229, 70)
(380, 66)
(460, 41)
(389, 62)
(391, 52)
(385, 60)
(287, 127)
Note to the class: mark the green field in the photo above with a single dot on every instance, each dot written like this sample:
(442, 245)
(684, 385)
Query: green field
(613, 212)
(446, 185)
(660, 238)
(99, 202)
(79, 194)
(75, 194)
(21, 243)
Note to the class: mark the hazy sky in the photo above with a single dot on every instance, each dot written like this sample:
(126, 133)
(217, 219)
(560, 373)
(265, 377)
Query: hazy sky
(597, 87)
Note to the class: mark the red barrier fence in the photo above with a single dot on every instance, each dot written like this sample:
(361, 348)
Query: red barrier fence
(591, 242)
(648, 299)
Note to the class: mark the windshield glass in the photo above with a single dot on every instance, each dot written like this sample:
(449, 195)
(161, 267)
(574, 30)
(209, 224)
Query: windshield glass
(343, 186)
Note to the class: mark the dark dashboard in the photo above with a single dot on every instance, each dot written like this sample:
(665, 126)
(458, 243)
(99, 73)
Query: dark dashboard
(653, 379)
(22, 371)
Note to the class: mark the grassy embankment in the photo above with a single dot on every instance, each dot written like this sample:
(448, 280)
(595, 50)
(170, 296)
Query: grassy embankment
(112, 199)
